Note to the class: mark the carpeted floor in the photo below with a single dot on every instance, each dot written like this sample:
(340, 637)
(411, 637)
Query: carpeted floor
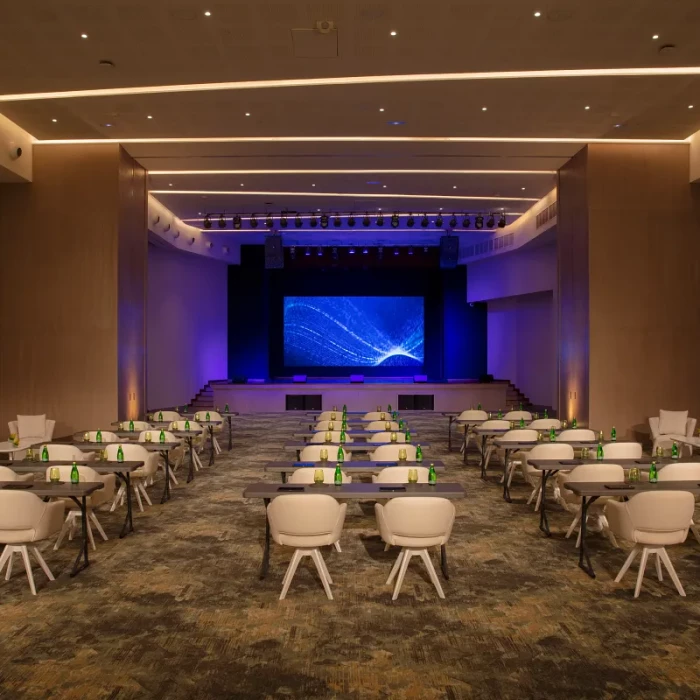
(176, 610)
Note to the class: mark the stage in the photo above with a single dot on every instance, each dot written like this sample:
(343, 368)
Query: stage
(323, 394)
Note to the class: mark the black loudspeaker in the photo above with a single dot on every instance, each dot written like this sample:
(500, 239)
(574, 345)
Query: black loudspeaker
(274, 254)
(449, 251)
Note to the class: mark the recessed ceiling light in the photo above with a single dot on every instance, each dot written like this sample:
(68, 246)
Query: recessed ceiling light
(107, 124)
(247, 114)
(587, 107)
(617, 126)
(381, 109)
(656, 36)
(523, 189)
(149, 117)
(199, 213)
(440, 208)
(396, 123)
(83, 36)
(483, 109)
(392, 33)
(690, 106)
(54, 120)
(537, 14)
(207, 13)
(242, 185)
(384, 186)
(170, 184)
(454, 187)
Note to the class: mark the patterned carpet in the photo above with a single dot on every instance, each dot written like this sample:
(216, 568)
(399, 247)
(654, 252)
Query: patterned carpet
(176, 610)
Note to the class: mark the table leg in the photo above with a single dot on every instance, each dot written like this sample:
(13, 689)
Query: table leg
(266, 552)
(483, 456)
(230, 434)
(190, 475)
(544, 523)
(128, 522)
(166, 490)
(449, 434)
(506, 490)
(443, 561)
(464, 445)
(211, 437)
(583, 551)
(284, 477)
(83, 553)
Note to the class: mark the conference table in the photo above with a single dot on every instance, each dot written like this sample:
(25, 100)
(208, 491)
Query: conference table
(191, 414)
(77, 493)
(590, 491)
(11, 449)
(354, 491)
(349, 467)
(347, 446)
(121, 469)
(692, 442)
(362, 434)
(452, 418)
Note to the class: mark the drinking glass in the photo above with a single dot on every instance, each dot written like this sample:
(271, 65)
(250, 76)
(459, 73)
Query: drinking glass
(382, 416)
(103, 455)
(30, 455)
(659, 451)
(564, 424)
(393, 437)
(54, 474)
(86, 437)
(540, 437)
(318, 476)
(324, 454)
(387, 426)
(634, 475)
(332, 416)
(402, 455)
(379, 408)
(335, 408)
(412, 476)
(331, 425)
(328, 436)
(148, 437)
(584, 453)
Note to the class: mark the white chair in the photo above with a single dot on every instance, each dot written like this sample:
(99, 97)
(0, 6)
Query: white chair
(414, 524)
(6, 474)
(386, 437)
(167, 416)
(399, 475)
(683, 471)
(670, 425)
(329, 415)
(335, 437)
(517, 435)
(545, 424)
(312, 453)
(652, 520)
(139, 425)
(134, 453)
(93, 502)
(107, 436)
(517, 415)
(305, 475)
(306, 522)
(197, 442)
(323, 425)
(213, 416)
(25, 520)
(576, 435)
(376, 415)
(390, 453)
(533, 476)
(66, 453)
(379, 425)
(571, 502)
(463, 419)
(622, 450)
(176, 455)
(495, 424)
(32, 429)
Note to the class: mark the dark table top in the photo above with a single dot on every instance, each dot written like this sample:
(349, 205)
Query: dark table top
(356, 490)
(642, 462)
(352, 446)
(349, 466)
(595, 488)
(516, 445)
(100, 467)
(154, 446)
(367, 434)
(63, 490)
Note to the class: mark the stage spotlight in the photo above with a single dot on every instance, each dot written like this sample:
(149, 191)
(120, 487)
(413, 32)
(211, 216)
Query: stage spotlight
(283, 221)
(425, 249)
(438, 221)
(351, 221)
(253, 221)
(334, 254)
(395, 220)
(490, 222)
(269, 222)
(292, 252)
(313, 221)
(237, 222)
(396, 251)
(380, 253)
(410, 221)
(466, 223)
(365, 251)
(324, 220)
(298, 222)
(222, 221)
(479, 221)
(424, 221)
(336, 221)
(502, 221)
(207, 221)
(319, 251)
(410, 250)
(453, 221)
(365, 220)
(380, 220)
(307, 252)
(351, 251)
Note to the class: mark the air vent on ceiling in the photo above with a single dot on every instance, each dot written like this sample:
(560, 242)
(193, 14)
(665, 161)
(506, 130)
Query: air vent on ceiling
(546, 215)
(489, 246)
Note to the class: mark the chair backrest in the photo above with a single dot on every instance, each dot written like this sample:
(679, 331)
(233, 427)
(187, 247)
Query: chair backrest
(399, 475)
(576, 435)
(420, 517)
(495, 424)
(305, 515)
(6, 474)
(517, 415)
(323, 425)
(64, 452)
(622, 450)
(390, 453)
(381, 425)
(472, 414)
(386, 437)
(135, 453)
(20, 510)
(375, 415)
(138, 425)
(551, 450)
(680, 471)
(522, 435)
(169, 416)
(665, 512)
(107, 436)
(597, 472)
(335, 437)
(86, 473)
(180, 425)
(328, 415)
(312, 453)
(213, 415)
(545, 424)
(305, 475)
(155, 436)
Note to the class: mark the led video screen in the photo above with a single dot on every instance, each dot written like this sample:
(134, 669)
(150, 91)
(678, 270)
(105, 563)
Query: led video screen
(353, 331)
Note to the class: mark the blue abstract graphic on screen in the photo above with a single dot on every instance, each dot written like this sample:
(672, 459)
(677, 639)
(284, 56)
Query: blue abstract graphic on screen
(353, 331)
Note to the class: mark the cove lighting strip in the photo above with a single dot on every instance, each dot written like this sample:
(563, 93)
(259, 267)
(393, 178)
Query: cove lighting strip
(356, 80)
(359, 215)
(354, 195)
(352, 172)
(370, 231)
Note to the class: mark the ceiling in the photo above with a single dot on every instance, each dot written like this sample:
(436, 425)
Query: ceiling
(175, 43)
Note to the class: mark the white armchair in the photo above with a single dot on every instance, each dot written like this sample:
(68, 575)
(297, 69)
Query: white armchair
(669, 425)
(32, 430)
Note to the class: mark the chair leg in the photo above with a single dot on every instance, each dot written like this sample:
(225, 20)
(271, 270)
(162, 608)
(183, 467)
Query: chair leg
(573, 524)
(138, 496)
(90, 535)
(640, 575)
(64, 531)
(395, 568)
(387, 547)
(539, 499)
(117, 497)
(8, 573)
(173, 478)
(320, 567)
(423, 553)
(28, 567)
(694, 530)
(535, 491)
(42, 564)
(407, 554)
(672, 572)
(291, 570)
(627, 564)
(658, 567)
(5, 556)
(337, 547)
(98, 525)
(142, 487)
(325, 567)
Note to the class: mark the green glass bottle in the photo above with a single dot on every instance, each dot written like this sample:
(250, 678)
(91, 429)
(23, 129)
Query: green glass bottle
(674, 450)
(342, 437)
(599, 451)
(74, 474)
(338, 476)
(419, 454)
(574, 422)
(341, 455)
(522, 422)
(45, 454)
(162, 436)
(613, 434)
(552, 434)
(520, 406)
(120, 454)
(345, 408)
(344, 424)
(98, 436)
(226, 409)
(478, 407)
(160, 416)
(187, 426)
(408, 435)
(388, 408)
(432, 475)
(500, 414)
(177, 409)
(545, 413)
(401, 424)
(207, 417)
(131, 426)
(395, 415)
(653, 473)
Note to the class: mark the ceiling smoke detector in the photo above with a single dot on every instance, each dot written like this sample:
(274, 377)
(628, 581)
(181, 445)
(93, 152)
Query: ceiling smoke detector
(325, 26)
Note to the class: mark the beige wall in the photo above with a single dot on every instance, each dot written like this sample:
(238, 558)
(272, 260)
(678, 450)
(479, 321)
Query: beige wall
(59, 291)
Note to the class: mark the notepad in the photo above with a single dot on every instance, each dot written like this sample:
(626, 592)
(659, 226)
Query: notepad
(290, 488)
(304, 464)
(619, 487)
(389, 464)
(392, 488)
